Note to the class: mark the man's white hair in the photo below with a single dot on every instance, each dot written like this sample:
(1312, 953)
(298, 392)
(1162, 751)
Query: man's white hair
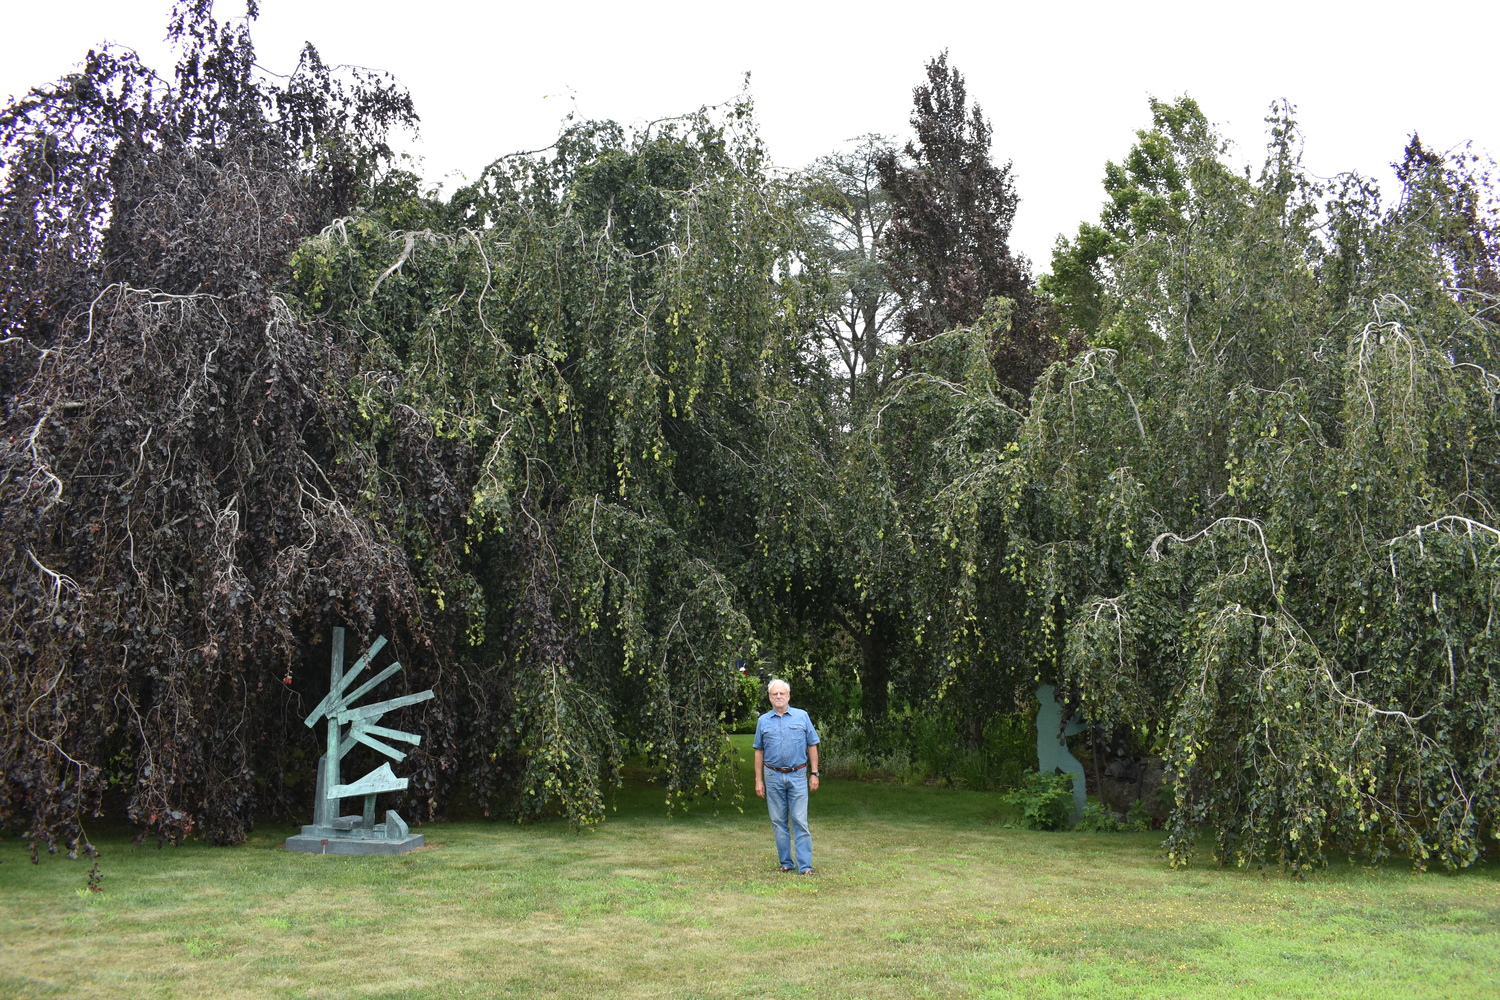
(775, 681)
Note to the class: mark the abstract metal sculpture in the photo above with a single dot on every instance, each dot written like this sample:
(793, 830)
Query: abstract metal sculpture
(329, 832)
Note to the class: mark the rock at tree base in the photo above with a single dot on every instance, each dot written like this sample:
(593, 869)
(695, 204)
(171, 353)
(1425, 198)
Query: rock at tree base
(1128, 780)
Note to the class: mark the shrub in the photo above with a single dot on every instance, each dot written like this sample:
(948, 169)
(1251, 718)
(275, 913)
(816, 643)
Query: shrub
(1045, 798)
(1101, 819)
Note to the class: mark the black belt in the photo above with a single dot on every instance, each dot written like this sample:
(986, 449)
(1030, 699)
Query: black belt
(785, 770)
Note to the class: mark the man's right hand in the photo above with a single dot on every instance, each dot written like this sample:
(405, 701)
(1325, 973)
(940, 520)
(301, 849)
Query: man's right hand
(760, 789)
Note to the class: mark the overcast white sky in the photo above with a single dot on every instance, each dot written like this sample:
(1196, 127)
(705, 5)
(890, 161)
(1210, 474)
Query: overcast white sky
(1064, 84)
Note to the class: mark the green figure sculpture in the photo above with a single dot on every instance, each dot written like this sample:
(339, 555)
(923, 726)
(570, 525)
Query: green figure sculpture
(1051, 752)
(329, 832)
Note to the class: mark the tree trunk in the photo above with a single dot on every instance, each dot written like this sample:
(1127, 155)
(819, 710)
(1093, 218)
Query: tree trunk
(874, 675)
(874, 671)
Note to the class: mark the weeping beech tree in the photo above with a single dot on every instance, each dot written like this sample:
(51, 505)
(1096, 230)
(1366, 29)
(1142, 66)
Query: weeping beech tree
(179, 500)
(1257, 522)
(610, 330)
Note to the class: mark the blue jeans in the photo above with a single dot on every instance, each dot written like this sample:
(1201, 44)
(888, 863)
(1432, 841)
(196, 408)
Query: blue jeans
(786, 797)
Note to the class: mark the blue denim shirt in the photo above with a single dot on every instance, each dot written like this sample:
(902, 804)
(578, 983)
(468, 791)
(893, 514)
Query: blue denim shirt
(785, 738)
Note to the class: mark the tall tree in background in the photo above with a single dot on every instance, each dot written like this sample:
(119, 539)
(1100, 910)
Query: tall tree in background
(1457, 189)
(849, 212)
(881, 571)
(1150, 191)
(948, 244)
(822, 615)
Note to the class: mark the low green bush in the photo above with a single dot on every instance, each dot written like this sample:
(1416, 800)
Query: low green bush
(1101, 819)
(1045, 799)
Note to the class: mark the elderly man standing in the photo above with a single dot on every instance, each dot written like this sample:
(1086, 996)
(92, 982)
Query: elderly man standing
(785, 744)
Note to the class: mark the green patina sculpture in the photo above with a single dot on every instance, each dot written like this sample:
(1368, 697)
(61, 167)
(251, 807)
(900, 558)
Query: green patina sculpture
(1051, 751)
(330, 833)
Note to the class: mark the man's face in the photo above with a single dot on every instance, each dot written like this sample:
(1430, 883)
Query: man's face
(780, 696)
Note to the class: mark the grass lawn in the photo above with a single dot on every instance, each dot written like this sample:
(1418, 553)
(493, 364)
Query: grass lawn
(921, 892)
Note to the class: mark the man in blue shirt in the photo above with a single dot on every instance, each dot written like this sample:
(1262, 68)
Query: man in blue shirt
(785, 745)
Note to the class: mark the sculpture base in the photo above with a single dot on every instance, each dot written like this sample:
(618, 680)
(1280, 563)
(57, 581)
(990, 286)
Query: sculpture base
(348, 835)
(323, 844)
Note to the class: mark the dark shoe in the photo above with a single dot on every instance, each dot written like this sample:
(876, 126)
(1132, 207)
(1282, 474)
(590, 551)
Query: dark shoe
(806, 871)
(785, 868)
